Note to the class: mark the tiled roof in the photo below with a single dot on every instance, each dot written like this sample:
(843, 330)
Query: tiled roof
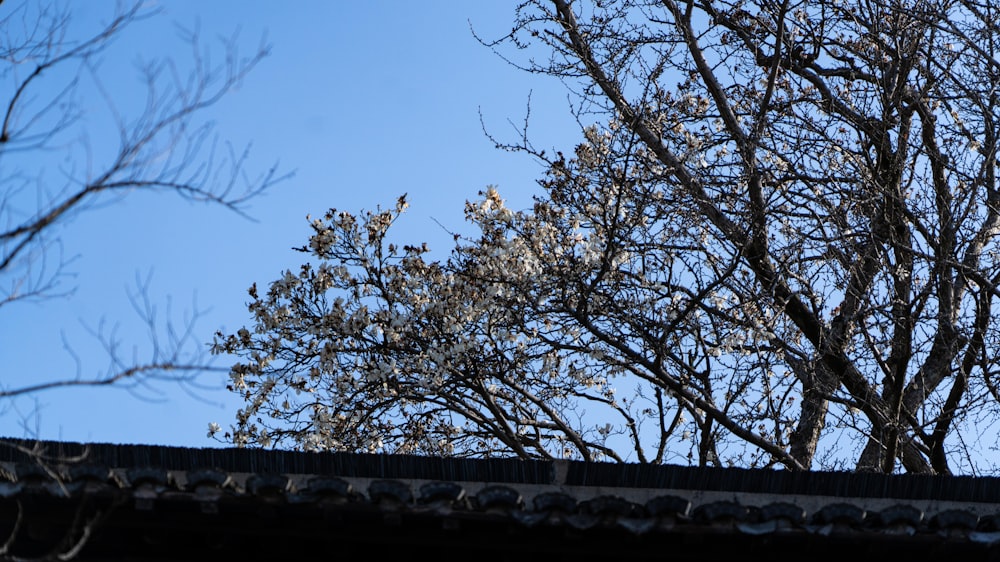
(153, 502)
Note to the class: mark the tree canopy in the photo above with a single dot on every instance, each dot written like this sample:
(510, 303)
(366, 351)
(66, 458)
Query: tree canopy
(775, 245)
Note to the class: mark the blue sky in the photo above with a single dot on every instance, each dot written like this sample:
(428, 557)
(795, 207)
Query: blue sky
(362, 100)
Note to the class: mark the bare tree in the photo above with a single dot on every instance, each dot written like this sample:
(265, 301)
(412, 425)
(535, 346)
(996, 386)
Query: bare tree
(776, 245)
(51, 171)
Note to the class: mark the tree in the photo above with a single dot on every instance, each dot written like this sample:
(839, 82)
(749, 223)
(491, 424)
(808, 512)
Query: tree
(57, 164)
(775, 246)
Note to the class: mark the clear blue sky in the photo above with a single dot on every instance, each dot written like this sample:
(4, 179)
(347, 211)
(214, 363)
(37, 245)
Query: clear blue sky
(363, 100)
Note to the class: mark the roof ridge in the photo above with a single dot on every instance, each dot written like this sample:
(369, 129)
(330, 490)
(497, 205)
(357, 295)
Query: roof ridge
(518, 471)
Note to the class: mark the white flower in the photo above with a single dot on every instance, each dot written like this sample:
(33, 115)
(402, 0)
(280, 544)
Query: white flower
(213, 428)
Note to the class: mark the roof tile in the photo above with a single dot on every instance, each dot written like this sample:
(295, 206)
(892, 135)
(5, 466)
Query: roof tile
(391, 492)
(449, 493)
(841, 512)
(499, 497)
(721, 512)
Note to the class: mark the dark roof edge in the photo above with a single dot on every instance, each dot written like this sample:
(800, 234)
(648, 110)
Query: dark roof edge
(265, 461)
(512, 470)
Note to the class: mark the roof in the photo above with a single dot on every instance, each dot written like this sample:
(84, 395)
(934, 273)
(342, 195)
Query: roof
(170, 503)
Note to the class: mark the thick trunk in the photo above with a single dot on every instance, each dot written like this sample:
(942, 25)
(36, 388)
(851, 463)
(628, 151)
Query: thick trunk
(817, 384)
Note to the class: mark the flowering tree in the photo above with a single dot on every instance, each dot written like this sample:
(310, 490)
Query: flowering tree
(774, 246)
